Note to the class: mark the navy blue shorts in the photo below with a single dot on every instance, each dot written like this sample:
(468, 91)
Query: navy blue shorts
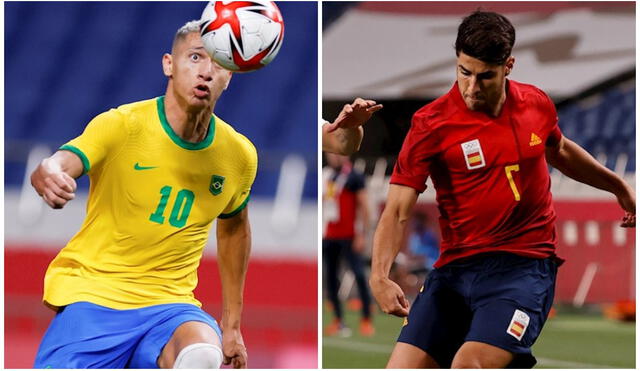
(499, 299)
(86, 335)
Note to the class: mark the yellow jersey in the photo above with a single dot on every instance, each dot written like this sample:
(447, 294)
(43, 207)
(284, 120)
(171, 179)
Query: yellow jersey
(152, 199)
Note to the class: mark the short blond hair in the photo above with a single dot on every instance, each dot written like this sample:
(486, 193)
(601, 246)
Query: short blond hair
(187, 28)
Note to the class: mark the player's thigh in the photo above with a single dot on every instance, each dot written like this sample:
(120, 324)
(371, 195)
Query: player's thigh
(438, 321)
(188, 333)
(177, 326)
(474, 354)
(410, 356)
(85, 335)
(513, 308)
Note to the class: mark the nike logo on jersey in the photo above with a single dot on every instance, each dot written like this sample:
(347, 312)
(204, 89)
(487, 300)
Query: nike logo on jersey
(535, 140)
(138, 167)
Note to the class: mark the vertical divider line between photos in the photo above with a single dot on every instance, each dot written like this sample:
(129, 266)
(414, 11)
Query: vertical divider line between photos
(2, 185)
(637, 257)
(319, 182)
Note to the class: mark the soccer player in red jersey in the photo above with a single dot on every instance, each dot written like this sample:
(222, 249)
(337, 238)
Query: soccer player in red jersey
(486, 145)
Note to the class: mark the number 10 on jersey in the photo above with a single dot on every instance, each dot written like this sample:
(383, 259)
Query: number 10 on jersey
(179, 212)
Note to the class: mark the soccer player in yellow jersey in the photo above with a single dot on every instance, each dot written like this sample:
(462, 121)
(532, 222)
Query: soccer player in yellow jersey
(161, 171)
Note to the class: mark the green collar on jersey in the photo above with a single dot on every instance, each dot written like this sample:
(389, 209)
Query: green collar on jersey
(176, 139)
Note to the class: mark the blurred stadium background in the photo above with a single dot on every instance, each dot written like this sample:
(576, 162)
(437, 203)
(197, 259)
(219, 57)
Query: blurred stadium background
(583, 55)
(66, 62)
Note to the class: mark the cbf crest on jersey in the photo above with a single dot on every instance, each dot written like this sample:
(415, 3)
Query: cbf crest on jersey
(473, 156)
(215, 187)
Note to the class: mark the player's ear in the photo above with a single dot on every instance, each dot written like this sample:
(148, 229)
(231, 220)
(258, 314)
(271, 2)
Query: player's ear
(167, 64)
(509, 65)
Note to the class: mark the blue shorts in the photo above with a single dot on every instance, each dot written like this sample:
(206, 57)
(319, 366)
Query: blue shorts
(499, 299)
(85, 335)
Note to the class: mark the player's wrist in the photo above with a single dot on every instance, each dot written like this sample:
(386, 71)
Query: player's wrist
(51, 166)
(626, 189)
(231, 325)
(377, 277)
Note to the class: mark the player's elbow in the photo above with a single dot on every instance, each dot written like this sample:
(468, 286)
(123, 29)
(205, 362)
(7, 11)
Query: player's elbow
(349, 149)
(345, 146)
(393, 216)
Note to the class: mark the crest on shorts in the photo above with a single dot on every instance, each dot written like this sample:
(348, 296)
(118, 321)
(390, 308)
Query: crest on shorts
(217, 182)
(472, 153)
(518, 324)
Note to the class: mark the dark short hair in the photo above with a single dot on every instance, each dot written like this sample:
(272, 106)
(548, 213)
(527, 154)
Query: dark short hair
(486, 36)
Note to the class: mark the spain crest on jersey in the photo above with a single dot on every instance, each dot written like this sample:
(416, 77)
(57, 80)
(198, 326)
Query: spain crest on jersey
(473, 156)
(215, 187)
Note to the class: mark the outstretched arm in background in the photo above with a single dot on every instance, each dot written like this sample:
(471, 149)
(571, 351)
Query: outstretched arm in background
(344, 135)
(387, 242)
(234, 246)
(54, 178)
(576, 163)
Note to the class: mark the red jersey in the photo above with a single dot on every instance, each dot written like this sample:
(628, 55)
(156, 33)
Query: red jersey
(490, 173)
(345, 184)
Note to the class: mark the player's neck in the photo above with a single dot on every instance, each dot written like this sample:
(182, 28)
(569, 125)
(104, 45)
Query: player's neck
(495, 109)
(190, 125)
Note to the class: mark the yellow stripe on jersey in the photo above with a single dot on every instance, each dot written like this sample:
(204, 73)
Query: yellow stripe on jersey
(152, 199)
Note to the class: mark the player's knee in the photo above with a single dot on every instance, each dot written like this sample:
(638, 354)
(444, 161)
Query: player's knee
(466, 363)
(467, 359)
(199, 355)
(478, 361)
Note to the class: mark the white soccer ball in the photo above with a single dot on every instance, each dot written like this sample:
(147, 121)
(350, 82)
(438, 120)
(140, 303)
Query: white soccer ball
(242, 36)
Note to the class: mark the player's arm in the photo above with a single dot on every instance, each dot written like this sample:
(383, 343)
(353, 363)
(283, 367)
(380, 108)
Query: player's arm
(54, 178)
(576, 163)
(234, 246)
(344, 135)
(387, 242)
(343, 141)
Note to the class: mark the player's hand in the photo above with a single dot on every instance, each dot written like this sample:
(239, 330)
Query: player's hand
(628, 203)
(389, 296)
(233, 349)
(354, 114)
(54, 185)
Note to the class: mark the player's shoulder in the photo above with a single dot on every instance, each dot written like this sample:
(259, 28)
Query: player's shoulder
(528, 93)
(133, 108)
(235, 141)
(435, 114)
(125, 112)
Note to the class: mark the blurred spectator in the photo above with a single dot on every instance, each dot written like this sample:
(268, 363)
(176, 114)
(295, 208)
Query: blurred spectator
(422, 250)
(423, 241)
(344, 198)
